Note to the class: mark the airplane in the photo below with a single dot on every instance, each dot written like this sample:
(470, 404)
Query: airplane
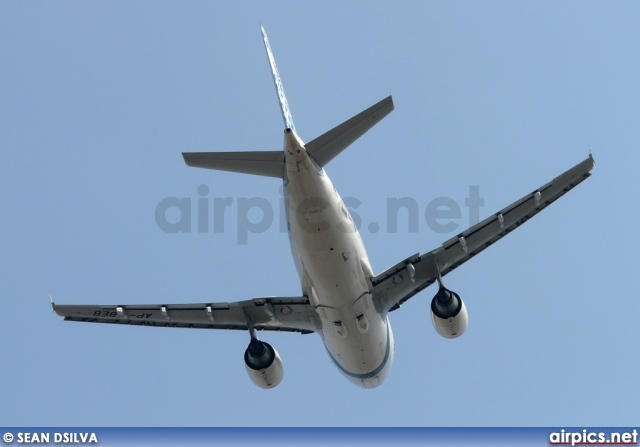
(341, 298)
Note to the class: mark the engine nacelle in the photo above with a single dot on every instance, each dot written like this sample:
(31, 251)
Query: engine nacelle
(263, 364)
(448, 314)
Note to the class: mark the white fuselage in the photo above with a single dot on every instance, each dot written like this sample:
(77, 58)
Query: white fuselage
(334, 270)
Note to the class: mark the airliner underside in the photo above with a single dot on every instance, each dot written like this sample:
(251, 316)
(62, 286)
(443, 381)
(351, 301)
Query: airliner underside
(341, 298)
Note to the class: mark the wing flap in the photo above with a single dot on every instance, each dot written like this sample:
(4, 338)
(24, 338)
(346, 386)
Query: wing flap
(395, 286)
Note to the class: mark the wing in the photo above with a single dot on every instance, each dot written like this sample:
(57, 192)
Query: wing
(293, 314)
(410, 276)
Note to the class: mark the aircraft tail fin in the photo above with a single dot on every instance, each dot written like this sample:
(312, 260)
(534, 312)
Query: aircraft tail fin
(284, 105)
(271, 163)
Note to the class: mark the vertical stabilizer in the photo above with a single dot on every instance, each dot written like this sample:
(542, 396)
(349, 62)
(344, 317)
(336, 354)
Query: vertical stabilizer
(284, 105)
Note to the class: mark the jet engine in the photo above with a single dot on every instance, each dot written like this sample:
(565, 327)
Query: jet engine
(263, 363)
(448, 313)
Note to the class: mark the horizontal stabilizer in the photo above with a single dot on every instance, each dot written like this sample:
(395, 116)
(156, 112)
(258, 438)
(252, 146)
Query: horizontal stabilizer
(324, 148)
(266, 163)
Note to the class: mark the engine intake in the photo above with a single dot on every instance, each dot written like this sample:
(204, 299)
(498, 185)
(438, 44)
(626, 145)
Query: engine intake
(263, 364)
(448, 313)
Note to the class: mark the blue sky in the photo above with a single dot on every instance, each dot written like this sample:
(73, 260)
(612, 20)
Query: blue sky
(98, 100)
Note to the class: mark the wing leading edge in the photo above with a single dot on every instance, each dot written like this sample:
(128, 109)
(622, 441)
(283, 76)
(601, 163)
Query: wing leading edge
(290, 314)
(397, 284)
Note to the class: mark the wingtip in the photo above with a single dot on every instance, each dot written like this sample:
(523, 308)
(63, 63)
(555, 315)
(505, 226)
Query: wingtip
(53, 303)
